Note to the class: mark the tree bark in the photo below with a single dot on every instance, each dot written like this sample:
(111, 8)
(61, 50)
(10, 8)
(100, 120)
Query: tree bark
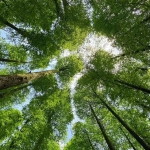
(7, 81)
(110, 145)
(10, 60)
(132, 132)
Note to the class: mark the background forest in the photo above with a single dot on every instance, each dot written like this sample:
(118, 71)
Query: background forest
(48, 71)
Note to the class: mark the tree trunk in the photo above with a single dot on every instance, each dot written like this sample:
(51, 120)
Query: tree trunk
(11, 92)
(110, 145)
(7, 81)
(10, 60)
(132, 86)
(134, 134)
(20, 31)
(124, 83)
(128, 139)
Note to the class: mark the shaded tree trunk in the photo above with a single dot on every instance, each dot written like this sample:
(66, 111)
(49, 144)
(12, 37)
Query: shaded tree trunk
(11, 92)
(128, 139)
(132, 132)
(125, 84)
(10, 60)
(20, 31)
(7, 81)
(110, 145)
(133, 86)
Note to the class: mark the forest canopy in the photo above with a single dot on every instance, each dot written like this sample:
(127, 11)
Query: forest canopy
(50, 74)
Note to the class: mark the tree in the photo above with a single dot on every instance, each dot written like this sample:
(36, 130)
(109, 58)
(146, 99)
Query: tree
(112, 91)
(42, 123)
(128, 139)
(8, 81)
(9, 120)
(81, 139)
(136, 136)
(110, 145)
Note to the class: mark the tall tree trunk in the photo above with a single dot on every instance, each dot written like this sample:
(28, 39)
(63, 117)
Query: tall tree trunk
(124, 83)
(10, 60)
(132, 86)
(110, 145)
(11, 92)
(128, 139)
(132, 132)
(89, 140)
(20, 31)
(7, 81)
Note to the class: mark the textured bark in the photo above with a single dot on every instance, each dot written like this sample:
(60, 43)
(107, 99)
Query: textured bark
(7, 81)
(110, 145)
(132, 132)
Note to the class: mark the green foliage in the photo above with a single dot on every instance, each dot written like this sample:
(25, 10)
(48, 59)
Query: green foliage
(127, 23)
(9, 120)
(45, 120)
(39, 31)
(52, 145)
(76, 39)
(68, 67)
